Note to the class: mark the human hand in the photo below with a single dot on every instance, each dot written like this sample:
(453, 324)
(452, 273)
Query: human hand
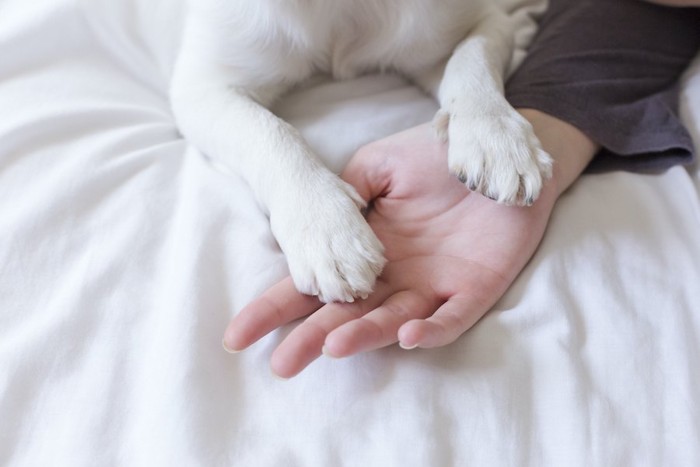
(452, 254)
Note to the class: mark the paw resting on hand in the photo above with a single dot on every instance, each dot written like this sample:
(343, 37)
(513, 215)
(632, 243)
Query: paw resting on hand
(331, 250)
(496, 154)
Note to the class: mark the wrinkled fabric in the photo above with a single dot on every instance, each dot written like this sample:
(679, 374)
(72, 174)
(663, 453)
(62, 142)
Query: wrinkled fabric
(124, 253)
(611, 68)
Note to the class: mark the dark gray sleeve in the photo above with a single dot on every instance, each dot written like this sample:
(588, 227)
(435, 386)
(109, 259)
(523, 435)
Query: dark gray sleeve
(611, 68)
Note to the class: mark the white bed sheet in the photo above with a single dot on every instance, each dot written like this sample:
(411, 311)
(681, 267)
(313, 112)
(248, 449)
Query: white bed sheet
(123, 255)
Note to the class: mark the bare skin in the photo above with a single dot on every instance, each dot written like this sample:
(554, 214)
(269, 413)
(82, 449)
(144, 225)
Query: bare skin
(452, 253)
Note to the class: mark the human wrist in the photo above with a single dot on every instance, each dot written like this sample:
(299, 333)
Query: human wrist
(570, 148)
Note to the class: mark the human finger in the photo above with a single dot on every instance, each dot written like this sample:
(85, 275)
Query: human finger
(368, 172)
(277, 306)
(378, 328)
(305, 343)
(449, 321)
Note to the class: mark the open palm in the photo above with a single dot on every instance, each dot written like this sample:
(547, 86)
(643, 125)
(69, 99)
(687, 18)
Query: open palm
(451, 255)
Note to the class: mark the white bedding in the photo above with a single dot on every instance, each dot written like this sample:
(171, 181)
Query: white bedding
(123, 255)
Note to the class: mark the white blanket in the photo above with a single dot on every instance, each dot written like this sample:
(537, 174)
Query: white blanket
(123, 255)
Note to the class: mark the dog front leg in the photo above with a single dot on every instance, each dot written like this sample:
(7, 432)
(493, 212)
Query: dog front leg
(315, 216)
(493, 149)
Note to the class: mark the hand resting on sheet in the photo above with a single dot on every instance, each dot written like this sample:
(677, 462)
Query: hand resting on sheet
(452, 253)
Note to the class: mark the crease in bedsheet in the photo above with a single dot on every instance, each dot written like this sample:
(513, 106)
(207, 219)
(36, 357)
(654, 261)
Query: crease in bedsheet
(640, 334)
(153, 252)
(142, 37)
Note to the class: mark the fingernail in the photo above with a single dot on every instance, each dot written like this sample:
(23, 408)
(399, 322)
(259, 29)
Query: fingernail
(278, 377)
(227, 349)
(406, 347)
(327, 353)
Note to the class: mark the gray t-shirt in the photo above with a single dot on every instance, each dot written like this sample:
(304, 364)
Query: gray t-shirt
(611, 68)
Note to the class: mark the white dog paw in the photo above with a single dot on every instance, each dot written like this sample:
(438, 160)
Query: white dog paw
(497, 154)
(331, 250)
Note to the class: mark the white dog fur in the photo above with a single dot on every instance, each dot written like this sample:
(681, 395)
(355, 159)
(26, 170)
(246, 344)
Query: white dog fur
(238, 56)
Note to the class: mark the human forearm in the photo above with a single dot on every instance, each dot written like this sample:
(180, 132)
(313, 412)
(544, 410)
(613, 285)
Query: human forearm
(571, 149)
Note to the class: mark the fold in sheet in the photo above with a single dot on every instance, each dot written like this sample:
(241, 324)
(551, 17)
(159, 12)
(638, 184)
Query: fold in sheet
(124, 253)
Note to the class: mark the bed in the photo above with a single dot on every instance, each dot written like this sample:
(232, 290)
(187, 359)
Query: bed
(124, 252)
